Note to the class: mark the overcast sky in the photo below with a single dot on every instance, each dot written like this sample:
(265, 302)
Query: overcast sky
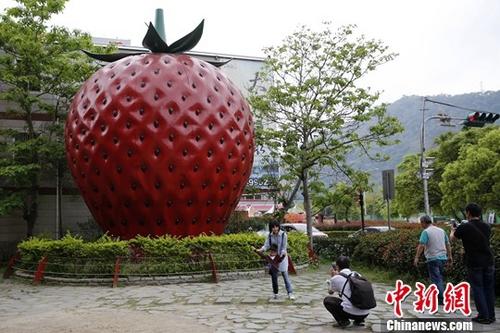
(444, 46)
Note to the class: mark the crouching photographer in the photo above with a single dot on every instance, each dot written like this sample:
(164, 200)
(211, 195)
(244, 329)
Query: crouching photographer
(356, 294)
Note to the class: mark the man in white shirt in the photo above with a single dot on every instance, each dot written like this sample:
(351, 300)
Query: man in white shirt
(341, 308)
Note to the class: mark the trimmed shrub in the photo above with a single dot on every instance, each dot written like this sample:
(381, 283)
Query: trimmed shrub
(356, 225)
(332, 247)
(396, 251)
(165, 255)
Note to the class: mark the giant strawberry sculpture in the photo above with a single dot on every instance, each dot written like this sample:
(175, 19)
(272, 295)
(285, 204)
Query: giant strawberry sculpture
(161, 142)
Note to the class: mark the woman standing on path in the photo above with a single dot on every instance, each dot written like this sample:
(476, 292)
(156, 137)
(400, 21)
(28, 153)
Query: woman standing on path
(280, 238)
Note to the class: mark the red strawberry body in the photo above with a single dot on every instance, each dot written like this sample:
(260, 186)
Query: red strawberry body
(160, 144)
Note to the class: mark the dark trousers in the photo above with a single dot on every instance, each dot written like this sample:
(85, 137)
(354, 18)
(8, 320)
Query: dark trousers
(436, 272)
(274, 280)
(482, 283)
(333, 305)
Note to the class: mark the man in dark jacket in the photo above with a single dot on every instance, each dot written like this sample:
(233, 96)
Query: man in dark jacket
(475, 236)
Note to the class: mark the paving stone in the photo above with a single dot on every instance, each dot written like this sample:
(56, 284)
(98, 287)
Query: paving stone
(239, 320)
(313, 323)
(228, 306)
(249, 300)
(254, 326)
(223, 300)
(265, 315)
(195, 300)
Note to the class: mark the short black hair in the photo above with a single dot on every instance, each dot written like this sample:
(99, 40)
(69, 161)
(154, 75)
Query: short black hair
(343, 262)
(273, 247)
(425, 219)
(473, 209)
(273, 224)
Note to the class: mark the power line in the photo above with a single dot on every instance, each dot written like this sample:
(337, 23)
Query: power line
(458, 107)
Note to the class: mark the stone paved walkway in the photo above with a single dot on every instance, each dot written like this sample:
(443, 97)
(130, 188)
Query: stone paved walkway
(229, 306)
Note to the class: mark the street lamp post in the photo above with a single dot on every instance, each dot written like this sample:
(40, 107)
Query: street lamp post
(425, 171)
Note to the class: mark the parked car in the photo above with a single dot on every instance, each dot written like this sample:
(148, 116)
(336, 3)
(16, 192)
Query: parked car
(295, 227)
(370, 230)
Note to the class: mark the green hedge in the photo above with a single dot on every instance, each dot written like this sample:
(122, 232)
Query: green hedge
(338, 233)
(151, 256)
(356, 225)
(396, 250)
(333, 246)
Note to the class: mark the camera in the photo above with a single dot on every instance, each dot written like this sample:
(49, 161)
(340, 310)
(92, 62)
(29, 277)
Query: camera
(454, 223)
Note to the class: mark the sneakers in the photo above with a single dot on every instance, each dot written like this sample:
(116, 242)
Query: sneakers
(344, 323)
(358, 323)
(291, 296)
(275, 296)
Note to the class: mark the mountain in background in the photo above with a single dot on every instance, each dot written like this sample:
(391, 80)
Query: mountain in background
(408, 110)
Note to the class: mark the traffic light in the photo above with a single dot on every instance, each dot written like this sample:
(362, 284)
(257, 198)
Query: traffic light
(479, 119)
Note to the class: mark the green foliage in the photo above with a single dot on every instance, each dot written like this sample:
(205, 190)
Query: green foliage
(475, 175)
(72, 256)
(409, 198)
(316, 106)
(466, 169)
(356, 225)
(238, 224)
(41, 68)
(343, 197)
(375, 205)
(334, 246)
(395, 251)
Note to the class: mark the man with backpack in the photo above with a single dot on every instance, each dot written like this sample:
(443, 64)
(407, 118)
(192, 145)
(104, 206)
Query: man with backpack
(356, 294)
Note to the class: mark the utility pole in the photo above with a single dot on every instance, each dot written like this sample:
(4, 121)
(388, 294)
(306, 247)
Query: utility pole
(361, 198)
(423, 173)
(425, 162)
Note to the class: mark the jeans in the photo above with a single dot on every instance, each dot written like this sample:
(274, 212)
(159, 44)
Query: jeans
(274, 279)
(436, 272)
(482, 282)
(333, 305)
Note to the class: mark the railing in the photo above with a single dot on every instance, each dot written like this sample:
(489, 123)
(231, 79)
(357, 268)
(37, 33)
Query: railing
(203, 267)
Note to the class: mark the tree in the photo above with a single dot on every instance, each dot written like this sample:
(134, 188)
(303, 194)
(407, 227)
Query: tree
(475, 175)
(375, 205)
(409, 198)
(447, 185)
(41, 68)
(342, 196)
(314, 112)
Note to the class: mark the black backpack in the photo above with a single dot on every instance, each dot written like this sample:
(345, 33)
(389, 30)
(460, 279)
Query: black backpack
(362, 295)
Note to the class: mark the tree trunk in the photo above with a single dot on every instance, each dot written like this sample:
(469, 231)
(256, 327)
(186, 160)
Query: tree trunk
(59, 230)
(287, 203)
(307, 206)
(30, 211)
